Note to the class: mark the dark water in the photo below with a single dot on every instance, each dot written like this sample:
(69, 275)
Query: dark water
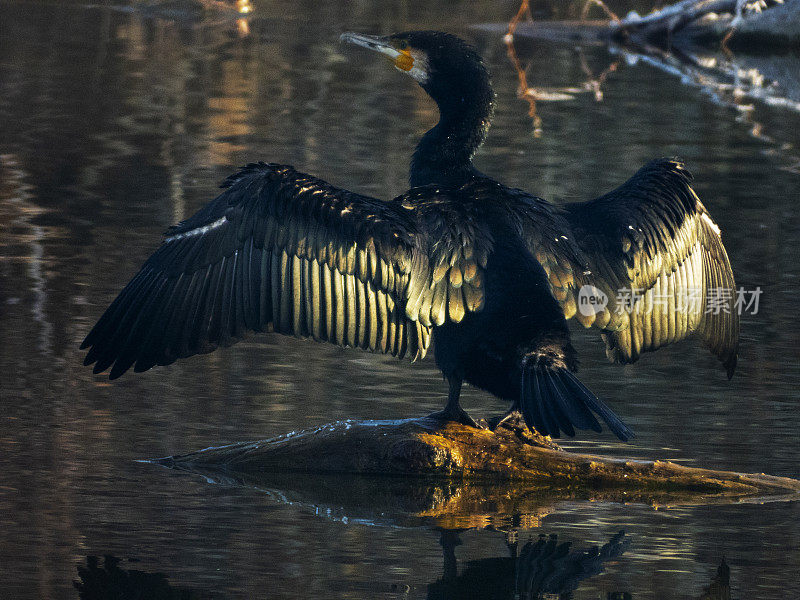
(115, 124)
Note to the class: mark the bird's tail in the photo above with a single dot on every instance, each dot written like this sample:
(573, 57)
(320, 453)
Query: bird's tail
(553, 400)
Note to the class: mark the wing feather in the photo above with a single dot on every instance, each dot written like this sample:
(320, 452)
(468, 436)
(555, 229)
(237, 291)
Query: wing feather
(282, 249)
(276, 248)
(653, 239)
(448, 262)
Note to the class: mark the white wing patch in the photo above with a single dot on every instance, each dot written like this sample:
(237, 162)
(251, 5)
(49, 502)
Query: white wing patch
(197, 230)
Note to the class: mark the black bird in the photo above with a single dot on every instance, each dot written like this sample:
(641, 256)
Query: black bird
(491, 273)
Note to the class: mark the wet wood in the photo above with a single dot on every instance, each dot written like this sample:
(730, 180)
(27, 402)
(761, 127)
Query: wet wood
(574, 32)
(776, 23)
(686, 22)
(420, 447)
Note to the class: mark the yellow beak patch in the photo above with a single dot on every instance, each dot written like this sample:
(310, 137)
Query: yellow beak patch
(404, 62)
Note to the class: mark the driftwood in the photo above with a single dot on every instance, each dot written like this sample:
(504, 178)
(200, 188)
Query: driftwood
(767, 23)
(773, 24)
(485, 472)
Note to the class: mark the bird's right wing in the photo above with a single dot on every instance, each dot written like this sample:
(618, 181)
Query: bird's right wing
(285, 249)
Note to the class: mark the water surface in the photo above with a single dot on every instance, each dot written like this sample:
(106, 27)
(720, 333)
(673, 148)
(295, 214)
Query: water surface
(116, 123)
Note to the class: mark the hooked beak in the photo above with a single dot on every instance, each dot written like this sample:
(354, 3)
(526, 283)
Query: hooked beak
(401, 59)
(372, 42)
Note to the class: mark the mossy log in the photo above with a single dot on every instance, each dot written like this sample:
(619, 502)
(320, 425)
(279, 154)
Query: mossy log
(421, 447)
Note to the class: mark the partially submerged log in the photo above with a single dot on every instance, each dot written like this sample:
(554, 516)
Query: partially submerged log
(421, 447)
(769, 23)
(591, 32)
(689, 22)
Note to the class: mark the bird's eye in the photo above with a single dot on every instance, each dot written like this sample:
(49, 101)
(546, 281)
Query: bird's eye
(402, 45)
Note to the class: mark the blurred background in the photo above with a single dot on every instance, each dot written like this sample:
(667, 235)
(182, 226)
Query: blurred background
(118, 120)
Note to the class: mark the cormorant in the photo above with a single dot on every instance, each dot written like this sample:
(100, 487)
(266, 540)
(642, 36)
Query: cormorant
(490, 273)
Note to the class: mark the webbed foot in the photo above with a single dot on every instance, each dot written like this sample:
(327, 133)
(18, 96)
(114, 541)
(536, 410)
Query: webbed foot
(458, 415)
(514, 422)
(513, 419)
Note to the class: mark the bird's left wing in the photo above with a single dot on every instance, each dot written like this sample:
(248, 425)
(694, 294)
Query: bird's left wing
(276, 248)
(652, 250)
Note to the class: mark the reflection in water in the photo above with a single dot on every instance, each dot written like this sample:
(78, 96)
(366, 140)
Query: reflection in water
(735, 82)
(110, 582)
(18, 226)
(592, 85)
(540, 569)
(400, 501)
(720, 586)
(530, 94)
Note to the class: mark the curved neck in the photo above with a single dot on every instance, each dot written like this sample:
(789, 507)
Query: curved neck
(444, 154)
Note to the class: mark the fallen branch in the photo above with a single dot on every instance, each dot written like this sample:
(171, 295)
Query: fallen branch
(762, 24)
(677, 16)
(766, 22)
(419, 447)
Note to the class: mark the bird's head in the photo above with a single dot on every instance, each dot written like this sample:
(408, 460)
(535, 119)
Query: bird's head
(446, 67)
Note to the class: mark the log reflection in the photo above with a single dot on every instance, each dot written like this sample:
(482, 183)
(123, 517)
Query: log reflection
(733, 59)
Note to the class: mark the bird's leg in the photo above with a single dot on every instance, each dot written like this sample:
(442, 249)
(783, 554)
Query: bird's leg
(453, 411)
(449, 540)
(513, 418)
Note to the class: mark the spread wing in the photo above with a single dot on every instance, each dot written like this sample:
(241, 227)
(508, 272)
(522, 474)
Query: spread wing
(285, 251)
(652, 249)
(276, 249)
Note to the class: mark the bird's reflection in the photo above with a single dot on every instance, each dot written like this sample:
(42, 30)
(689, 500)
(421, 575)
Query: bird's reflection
(545, 568)
(542, 568)
(108, 581)
(720, 586)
